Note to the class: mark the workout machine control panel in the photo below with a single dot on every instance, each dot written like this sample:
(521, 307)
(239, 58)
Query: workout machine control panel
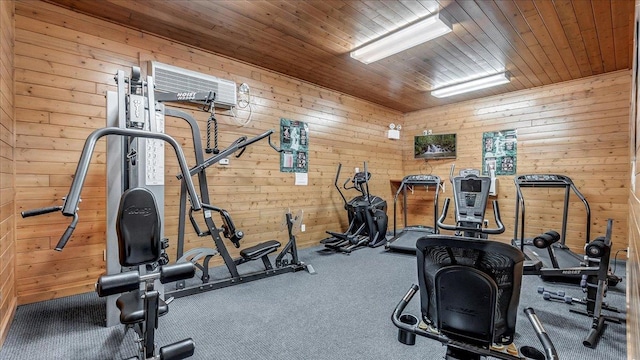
(421, 180)
(471, 193)
(543, 180)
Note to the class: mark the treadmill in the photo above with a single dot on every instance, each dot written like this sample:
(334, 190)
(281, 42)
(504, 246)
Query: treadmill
(405, 240)
(559, 255)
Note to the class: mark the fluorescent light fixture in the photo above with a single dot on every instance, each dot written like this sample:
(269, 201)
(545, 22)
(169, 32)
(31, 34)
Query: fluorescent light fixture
(473, 85)
(416, 34)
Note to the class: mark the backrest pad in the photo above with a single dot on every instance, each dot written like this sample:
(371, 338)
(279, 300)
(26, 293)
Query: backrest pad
(479, 263)
(138, 228)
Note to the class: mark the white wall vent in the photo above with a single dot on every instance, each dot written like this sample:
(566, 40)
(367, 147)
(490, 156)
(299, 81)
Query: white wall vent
(174, 79)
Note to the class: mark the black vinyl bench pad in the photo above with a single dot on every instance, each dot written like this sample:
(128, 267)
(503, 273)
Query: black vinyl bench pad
(260, 250)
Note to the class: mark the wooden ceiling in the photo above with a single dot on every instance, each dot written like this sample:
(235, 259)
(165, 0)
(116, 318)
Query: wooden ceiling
(539, 42)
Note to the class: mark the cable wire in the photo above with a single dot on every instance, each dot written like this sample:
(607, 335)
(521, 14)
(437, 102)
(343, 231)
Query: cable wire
(244, 102)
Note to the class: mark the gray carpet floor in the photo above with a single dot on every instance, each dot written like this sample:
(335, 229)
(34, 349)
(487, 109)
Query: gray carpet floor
(342, 312)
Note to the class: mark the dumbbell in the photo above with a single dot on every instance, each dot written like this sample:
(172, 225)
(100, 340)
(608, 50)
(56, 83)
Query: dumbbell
(567, 299)
(541, 290)
(548, 296)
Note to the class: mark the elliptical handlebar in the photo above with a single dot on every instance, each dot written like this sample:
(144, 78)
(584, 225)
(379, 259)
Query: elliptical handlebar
(358, 179)
(496, 214)
(335, 183)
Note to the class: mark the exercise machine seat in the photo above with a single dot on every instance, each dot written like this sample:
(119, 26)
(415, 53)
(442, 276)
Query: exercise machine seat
(139, 243)
(470, 288)
(260, 250)
(138, 228)
(131, 307)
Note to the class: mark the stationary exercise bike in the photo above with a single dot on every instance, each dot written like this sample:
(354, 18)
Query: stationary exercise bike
(367, 215)
(470, 194)
(469, 286)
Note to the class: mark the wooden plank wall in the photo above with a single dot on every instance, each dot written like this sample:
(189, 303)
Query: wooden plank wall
(7, 190)
(577, 128)
(633, 264)
(64, 64)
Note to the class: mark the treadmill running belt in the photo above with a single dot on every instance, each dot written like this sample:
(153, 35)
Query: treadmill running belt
(405, 241)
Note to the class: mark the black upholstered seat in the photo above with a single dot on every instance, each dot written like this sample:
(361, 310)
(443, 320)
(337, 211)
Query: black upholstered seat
(131, 307)
(259, 250)
(470, 288)
(139, 243)
(138, 228)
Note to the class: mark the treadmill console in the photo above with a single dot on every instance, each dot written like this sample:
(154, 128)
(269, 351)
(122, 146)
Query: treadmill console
(421, 180)
(541, 177)
(471, 193)
(544, 180)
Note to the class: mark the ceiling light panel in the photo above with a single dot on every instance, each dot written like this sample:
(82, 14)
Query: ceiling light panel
(473, 85)
(406, 38)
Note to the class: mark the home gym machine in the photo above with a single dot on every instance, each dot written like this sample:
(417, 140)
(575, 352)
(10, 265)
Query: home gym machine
(135, 160)
(565, 265)
(287, 260)
(405, 240)
(469, 286)
(367, 215)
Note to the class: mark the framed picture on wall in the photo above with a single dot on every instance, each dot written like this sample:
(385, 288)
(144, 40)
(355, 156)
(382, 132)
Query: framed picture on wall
(294, 141)
(499, 152)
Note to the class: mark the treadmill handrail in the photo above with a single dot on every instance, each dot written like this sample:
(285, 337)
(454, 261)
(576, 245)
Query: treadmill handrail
(562, 181)
(407, 180)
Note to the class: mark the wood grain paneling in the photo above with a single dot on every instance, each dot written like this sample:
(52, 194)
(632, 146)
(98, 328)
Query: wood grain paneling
(66, 62)
(633, 256)
(59, 94)
(540, 42)
(633, 274)
(52, 86)
(7, 180)
(577, 128)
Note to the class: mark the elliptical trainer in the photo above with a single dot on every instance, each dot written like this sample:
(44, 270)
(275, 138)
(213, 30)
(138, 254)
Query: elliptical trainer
(367, 216)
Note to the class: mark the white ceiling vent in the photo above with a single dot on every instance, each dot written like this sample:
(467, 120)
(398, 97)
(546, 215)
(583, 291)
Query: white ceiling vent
(172, 79)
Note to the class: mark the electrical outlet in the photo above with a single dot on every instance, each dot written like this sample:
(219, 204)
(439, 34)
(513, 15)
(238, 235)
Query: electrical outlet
(485, 222)
(223, 162)
(303, 228)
